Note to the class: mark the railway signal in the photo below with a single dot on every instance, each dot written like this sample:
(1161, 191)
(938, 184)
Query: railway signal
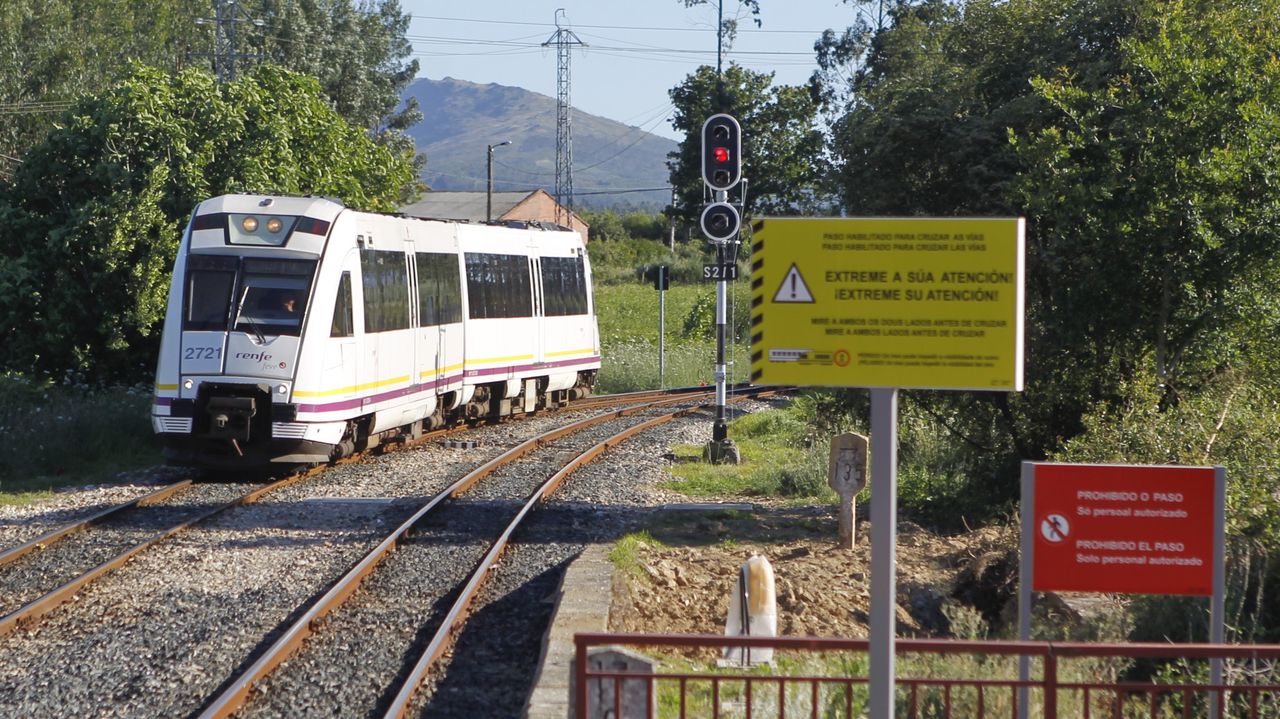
(721, 152)
(720, 222)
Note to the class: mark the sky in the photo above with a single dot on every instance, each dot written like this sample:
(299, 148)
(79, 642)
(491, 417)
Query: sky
(635, 50)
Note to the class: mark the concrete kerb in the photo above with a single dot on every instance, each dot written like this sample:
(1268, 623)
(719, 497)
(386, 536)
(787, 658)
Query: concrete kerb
(583, 606)
(584, 598)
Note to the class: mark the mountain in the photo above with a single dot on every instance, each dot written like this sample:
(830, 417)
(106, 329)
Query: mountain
(460, 119)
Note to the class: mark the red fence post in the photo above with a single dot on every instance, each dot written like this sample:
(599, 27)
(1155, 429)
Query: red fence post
(1050, 685)
(580, 678)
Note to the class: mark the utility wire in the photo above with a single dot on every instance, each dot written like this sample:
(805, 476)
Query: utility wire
(741, 31)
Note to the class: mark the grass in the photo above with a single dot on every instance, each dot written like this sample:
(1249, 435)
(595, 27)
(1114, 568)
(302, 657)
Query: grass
(779, 458)
(625, 554)
(629, 328)
(66, 435)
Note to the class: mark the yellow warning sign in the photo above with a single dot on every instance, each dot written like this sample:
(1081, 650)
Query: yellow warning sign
(929, 303)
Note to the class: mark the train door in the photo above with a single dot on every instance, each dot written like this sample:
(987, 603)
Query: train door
(539, 308)
(342, 355)
(449, 360)
(440, 313)
(409, 357)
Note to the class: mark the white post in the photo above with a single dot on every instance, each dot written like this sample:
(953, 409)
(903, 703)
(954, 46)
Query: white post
(884, 531)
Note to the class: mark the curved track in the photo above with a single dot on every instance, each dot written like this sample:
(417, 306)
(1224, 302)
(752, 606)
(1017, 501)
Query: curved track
(235, 696)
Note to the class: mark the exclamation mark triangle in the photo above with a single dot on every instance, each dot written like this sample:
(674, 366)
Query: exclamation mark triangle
(793, 288)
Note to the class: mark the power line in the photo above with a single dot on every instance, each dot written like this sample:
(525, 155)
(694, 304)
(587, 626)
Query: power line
(642, 28)
(35, 107)
(624, 192)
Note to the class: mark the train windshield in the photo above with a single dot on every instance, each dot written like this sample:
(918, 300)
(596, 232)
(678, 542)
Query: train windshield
(257, 296)
(273, 296)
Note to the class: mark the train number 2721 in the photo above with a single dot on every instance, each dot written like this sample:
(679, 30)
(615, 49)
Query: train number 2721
(199, 353)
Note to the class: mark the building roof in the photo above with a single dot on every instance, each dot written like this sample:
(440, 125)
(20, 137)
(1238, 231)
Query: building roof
(468, 206)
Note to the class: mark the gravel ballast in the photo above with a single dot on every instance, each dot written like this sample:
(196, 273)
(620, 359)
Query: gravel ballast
(161, 636)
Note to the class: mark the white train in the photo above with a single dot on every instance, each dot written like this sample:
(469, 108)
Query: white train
(299, 331)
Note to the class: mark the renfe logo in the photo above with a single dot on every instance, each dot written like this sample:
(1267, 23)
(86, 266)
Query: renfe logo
(257, 356)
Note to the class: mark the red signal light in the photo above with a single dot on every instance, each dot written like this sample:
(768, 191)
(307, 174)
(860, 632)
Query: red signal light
(721, 154)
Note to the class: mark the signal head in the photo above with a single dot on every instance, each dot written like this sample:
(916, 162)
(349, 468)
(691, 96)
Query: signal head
(721, 152)
(720, 222)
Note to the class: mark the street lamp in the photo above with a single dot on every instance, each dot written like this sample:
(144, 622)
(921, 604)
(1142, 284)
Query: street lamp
(488, 211)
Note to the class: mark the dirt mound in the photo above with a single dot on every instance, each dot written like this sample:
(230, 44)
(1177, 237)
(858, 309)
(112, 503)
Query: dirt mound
(683, 584)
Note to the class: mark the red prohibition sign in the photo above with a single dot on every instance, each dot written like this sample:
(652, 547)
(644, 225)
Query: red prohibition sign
(841, 358)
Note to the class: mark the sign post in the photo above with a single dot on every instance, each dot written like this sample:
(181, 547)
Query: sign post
(661, 281)
(847, 475)
(887, 303)
(1123, 529)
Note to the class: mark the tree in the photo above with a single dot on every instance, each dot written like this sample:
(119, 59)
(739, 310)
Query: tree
(1139, 141)
(51, 51)
(1169, 171)
(780, 141)
(841, 54)
(90, 222)
(359, 54)
(728, 29)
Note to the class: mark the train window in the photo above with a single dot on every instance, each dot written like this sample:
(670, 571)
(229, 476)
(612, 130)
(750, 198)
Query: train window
(343, 325)
(498, 286)
(385, 280)
(208, 299)
(564, 283)
(439, 289)
(273, 296)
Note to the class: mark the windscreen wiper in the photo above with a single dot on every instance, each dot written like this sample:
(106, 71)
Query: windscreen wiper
(253, 325)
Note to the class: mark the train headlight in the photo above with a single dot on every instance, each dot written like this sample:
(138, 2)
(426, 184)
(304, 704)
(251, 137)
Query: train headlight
(249, 224)
(188, 384)
(274, 224)
(283, 389)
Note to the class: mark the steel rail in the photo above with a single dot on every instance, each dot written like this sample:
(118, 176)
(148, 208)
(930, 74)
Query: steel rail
(34, 610)
(457, 613)
(237, 692)
(44, 540)
(640, 395)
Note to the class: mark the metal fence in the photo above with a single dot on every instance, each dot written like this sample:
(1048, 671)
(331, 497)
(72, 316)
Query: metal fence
(813, 677)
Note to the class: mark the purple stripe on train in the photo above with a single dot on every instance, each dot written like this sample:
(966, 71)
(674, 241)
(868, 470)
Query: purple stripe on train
(431, 386)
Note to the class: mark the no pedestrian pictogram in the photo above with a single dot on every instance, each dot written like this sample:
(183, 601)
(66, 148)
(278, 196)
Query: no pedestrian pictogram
(1055, 528)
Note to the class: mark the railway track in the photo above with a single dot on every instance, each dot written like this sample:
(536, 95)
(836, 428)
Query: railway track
(431, 599)
(94, 544)
(107, 540)
(187, 613)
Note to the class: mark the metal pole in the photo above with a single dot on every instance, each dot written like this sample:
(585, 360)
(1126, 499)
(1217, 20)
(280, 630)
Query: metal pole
(662, 336)
(231, 41)
(884, 531)
(1025, 564)
(720, 431)
(671, 243)
(488, 206)
(1217, 603)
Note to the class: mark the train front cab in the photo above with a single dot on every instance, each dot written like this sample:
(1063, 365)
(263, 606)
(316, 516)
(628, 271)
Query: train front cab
(242, 294)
